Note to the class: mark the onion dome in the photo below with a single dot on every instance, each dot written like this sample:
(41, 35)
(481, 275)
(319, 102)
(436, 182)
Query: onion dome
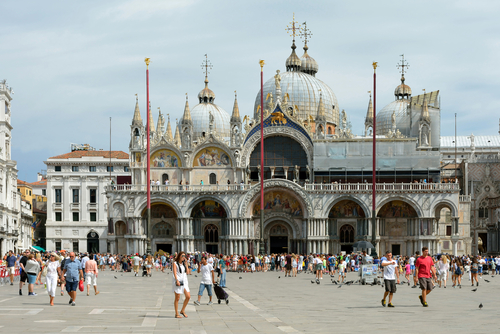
(308, 64)
(402, 91)
(206, 94)
(293, 62)
(401, 109)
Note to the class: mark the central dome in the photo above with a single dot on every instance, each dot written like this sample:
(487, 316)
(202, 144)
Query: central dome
(303, 90)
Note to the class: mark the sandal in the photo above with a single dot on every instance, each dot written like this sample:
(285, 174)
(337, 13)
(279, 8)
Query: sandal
(184, 314)
(178, 316)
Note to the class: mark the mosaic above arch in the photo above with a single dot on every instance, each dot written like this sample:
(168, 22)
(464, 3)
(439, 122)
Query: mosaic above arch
(161, 210)
(212, 157)
(346, 209)
(165, 158)
(208, 209)
(279, 201)
(397, 209)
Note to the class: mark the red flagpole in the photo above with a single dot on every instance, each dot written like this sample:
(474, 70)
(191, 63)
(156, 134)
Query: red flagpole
(148, 181)
(261, 248)
(374, 171)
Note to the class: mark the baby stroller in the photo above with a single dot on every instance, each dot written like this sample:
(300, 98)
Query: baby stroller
(145, 271)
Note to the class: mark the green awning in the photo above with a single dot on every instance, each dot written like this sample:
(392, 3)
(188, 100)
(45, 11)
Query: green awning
(38, 248)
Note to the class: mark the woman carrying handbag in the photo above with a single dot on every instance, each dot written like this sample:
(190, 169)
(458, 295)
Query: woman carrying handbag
(180, 285)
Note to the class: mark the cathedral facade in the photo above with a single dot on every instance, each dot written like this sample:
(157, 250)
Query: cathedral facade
(205, 189)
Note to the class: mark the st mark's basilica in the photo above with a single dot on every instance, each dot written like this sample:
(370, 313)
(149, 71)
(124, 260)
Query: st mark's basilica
(205, 191)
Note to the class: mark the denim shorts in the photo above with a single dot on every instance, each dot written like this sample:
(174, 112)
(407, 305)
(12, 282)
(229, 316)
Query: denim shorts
(31, 278)
(71, 286)
(202, 287)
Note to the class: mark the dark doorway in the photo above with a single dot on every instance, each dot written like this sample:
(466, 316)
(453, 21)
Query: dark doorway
(164, 178)
(213, 178)
(396, 250)
(164, 247)
(483, 248)
(212, 249)
(93, 242)
(346, 248)
(279, 244)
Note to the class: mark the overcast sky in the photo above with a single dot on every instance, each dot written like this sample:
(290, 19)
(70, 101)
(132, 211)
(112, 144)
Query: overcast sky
(74, 64)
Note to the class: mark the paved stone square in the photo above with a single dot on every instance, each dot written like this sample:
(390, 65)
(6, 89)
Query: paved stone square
(259, 302)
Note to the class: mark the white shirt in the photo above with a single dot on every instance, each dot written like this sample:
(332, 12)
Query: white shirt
(52, 268)
(206, 274)
(390, 270)
(137, 261)
(210, 261)
(412, 261)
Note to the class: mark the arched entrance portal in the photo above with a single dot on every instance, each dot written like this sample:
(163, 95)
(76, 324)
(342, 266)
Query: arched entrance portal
(208, 218)
(346, 238)
(93, 242)
(398, 220)
(344, 217)
(278, 239)
(163, 222)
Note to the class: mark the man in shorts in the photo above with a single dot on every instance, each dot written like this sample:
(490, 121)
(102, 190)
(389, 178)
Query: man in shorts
(137, 263)
(390, 272)
(74, 273)
(24, 276)
(207, 280)
(11, 266)
(424, 270)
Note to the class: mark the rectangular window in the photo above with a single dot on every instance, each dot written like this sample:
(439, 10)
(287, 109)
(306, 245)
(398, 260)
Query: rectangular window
(109, 169)
(76, 195)
(75, 246)
(58, 196)
(93, 195)
(74, 168)
(93, 216)
(58, 216)
(126, 169)
(44, 192)
(57, 168)
(58, 245)
(30, 192)
(448, 230)
(92, 168)
(76, 216)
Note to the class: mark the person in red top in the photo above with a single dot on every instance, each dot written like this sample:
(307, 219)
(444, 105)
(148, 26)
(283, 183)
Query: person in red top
(424, 270)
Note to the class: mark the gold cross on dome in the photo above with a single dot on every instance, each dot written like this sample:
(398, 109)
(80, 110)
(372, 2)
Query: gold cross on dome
(206, 66)
(293, 28)
(404, 64)
(306, 33)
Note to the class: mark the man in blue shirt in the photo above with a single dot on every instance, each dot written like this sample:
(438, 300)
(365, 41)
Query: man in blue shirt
(73, 271)
(11, 266)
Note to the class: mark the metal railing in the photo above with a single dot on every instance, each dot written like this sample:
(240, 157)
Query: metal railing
(179, 187)
(382, 187)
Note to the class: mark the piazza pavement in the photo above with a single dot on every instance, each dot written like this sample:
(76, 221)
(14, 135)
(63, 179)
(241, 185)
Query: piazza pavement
(258, 303)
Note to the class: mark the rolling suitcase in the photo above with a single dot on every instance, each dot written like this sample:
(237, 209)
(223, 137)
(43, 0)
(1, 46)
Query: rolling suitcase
(221, 294)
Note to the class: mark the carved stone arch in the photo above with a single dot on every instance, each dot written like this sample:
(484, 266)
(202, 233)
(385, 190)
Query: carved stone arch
(92, 230)
(253, 140)
(157, 200)
(362, 204)
(444, 203)
(193, 203)
(407, 200)
(291, 226)
(207, 144)
(171, 147)
(275, 183)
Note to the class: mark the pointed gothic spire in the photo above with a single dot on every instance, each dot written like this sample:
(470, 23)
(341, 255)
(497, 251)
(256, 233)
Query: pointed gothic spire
(321, 116)
(177, 138)
(151, 121)
(425, 110)
(169, 129)
(160, 127)
(369, 116)
(137, 113)
(235, 117)
(186, 118)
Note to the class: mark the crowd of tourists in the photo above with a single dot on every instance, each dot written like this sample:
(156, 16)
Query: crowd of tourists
(69, 271)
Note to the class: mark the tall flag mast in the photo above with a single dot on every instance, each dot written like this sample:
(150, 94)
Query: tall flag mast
(148, 177)
(261, 246)
(374, 171)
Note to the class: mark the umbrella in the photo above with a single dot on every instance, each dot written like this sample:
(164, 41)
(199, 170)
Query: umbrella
(363, 245)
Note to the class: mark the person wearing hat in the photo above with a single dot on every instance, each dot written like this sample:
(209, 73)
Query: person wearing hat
(53, 273)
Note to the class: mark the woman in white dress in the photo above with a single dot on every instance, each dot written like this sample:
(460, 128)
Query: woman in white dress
(53, 272)
(180, 270)
(443, 268)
